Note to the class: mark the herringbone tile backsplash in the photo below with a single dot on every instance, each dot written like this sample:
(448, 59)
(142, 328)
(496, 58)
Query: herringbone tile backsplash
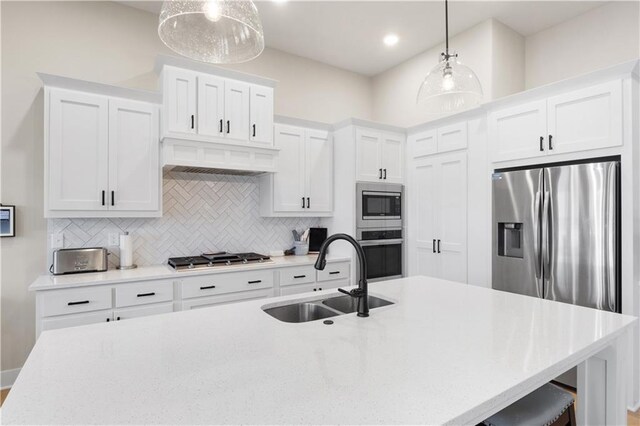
(201, 213)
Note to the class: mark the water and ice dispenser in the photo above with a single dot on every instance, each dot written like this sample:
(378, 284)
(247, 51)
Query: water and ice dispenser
(510, 239)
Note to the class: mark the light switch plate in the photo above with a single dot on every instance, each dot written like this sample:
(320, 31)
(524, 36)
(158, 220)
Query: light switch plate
(57, 240)
(114, 240)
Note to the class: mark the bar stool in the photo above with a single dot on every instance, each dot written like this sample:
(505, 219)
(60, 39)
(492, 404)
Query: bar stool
(548, 405)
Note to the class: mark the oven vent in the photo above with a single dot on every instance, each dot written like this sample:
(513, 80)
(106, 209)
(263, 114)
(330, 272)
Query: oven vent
(212, 171)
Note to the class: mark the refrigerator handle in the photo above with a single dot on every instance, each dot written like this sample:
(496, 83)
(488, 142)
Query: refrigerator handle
(536, 234)
(547, 233)
(611, 238)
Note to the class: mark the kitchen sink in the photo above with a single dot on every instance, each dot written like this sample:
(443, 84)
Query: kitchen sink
(301, 312)
(348, 304)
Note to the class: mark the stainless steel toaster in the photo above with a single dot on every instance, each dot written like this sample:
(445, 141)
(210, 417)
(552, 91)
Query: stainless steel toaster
(75, 260)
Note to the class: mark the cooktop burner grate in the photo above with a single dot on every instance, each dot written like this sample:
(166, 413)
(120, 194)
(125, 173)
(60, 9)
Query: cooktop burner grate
(207, 260)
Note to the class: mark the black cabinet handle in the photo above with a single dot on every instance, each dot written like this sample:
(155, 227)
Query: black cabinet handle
(103, 194)
(299, 276)
(254, 282)
(221, 130)
(385, 174)
(118, 319)
(303, 202)
(82, 302)
(146, 294)
(438, 246)
(434, 245)
(541, 143)
(228, 126)
(380, 176)
(193, 121)
(308, 203)
(206, 287)
(108, 319)
(550, 142)
(319, 288)
(254, 130)
(113, 196)
(315, 289)
(334, 272)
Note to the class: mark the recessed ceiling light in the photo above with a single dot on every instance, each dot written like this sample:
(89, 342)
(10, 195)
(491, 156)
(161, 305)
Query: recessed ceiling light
(390, 39)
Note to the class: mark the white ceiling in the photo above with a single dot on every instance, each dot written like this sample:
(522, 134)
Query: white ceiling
(348, 34)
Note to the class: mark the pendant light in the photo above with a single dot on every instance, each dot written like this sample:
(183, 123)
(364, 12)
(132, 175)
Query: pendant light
(449, 86)
(216, 31)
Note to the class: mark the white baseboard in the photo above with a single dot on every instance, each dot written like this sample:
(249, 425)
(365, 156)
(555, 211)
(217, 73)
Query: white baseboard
(7, 377)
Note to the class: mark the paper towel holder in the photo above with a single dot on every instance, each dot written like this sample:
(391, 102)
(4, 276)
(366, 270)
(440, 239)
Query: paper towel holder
(132, 266)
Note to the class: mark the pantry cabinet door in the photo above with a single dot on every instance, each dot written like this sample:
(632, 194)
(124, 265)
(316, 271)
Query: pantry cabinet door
(368, 168)
(289, 180)
(180, 101)
(423, 143)
(261, 114)
(452, 137)
(424, 218)
(516, 131)
(392, 155)
(452, 217)
(319, 171)
(77, 151)
(586, 119)
(236, 110)
(210, 105)
(134, 156)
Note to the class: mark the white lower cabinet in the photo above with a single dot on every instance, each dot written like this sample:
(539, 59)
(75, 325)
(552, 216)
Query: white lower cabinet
(206, 302)
(306, 288)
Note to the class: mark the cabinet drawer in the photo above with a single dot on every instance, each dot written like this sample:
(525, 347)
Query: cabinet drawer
(299, 275)
(76, 320)
(211, 285)
(308, 288)
(72, 301)
(334, 271)
(206, 302)
(142, 293)
(142, 311)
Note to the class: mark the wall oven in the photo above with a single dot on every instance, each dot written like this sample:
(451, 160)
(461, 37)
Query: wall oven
(384, 250)
(379, 205)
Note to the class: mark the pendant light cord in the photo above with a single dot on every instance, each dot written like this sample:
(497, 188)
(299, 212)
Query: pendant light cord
(446, 28)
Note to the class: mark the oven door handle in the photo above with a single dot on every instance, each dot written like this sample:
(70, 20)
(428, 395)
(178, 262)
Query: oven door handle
(365, 243)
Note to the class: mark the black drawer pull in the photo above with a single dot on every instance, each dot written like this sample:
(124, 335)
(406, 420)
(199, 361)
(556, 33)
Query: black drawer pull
(103, 198)
(83, 302)
(299, 276)
(221, 126)
(254, 130)
(146, 294)
(228, 126)
(193, 123)
(334, 272)
(254, 282)
(113, 194)
(206, 287)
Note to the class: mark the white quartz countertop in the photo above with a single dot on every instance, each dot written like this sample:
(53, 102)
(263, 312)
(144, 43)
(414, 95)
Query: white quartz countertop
(443, 353)
(157, 272)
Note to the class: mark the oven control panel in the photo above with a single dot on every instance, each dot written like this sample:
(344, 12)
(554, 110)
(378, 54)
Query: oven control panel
(381, 234)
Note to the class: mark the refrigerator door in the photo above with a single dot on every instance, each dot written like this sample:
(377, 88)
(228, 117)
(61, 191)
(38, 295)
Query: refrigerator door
(517, 203)
(580, 232)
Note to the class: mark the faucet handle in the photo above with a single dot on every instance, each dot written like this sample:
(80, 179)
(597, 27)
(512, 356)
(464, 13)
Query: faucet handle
(356, 292)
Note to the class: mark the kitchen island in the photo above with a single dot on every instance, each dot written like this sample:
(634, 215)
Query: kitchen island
(443, 353)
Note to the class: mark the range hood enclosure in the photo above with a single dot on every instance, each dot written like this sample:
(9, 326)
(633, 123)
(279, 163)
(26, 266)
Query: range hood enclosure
(217, 158)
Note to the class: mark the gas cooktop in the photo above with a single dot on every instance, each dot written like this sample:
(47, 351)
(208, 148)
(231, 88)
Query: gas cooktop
(209, 260)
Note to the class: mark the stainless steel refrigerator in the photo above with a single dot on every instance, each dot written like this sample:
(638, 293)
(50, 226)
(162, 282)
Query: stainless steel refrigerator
(556, 234)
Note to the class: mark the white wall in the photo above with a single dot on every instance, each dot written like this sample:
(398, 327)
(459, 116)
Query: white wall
(110, 43)
(507, 61)
(601, 37)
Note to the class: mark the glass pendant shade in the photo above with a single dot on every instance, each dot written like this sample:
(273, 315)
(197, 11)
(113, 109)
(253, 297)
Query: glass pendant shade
(450, 86)
(215, 31)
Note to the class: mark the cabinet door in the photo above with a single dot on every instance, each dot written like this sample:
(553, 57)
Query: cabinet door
(590, 118)
(236, 110)
(144, 311)
(368, 166)
(452, 217)
(261, 114)
(210, 105)
(452, 137)
(134, 156)
(423, 143)
(516, 132)
(180, 101)
(76, 320)
(289, 180)
(392, 153)
(77, 151)
(319, 171)
(423, 257)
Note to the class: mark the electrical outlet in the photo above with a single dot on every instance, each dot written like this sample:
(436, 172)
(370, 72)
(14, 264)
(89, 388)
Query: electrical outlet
(114, 240)
(57, 240)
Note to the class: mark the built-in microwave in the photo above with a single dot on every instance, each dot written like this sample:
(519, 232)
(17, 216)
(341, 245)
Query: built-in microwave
(378, 205)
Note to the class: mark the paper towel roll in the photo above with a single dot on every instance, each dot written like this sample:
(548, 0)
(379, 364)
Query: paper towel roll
(126, 250)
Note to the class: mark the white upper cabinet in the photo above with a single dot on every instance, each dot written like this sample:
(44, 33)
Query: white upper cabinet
(102, 156)
(303, 184)
(261, 114)
(452, 137)
(581, 120)
(180, 113)
(205, 107)
(379, 156)
(78, 151)
(424, 143)
(134, 156)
